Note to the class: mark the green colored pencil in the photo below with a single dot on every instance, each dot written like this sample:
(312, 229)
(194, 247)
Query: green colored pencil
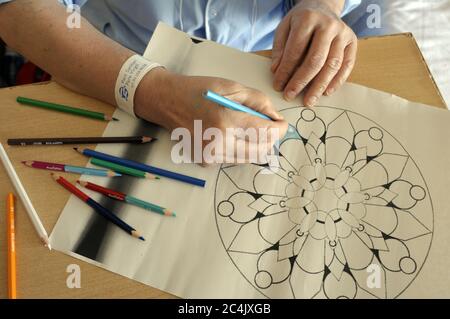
(65, 109)
(149, 206)
(123, 169)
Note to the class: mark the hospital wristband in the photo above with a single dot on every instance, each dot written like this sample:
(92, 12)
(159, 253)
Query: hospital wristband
(131, 74)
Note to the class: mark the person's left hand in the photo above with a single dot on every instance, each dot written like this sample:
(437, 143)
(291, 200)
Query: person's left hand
(313, 48)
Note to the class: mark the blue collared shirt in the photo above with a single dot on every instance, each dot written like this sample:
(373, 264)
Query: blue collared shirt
(248, 25)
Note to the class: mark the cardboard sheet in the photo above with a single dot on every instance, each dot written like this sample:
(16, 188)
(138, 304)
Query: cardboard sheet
(358, 207)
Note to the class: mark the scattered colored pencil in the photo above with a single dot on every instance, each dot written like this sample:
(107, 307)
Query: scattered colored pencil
(127, 198)
(71, 169)
(79, 140)
(141, 166)
(34, 217)
(65, 109)
(104, 212)
(12, 284)
(123, 169)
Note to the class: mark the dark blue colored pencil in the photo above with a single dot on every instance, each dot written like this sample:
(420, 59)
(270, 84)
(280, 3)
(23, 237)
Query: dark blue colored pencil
(142, 167)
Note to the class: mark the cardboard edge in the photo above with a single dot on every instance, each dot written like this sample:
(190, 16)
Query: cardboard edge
(410, 35)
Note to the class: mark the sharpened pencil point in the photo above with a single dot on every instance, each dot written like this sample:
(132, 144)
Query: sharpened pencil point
(147, 139)
(142, 238)
(46, 243)
(113, 174)
(169, 213)
(82, 183)
(114, 119)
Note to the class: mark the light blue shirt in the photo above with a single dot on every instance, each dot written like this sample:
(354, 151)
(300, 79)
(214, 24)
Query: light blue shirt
(248, 25)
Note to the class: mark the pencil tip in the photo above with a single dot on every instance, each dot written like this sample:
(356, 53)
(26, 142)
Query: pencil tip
(115, 119)
(147, 139)
(113, 174)
(142, 238)
(82, 183)
(169, 213)
(46, 242)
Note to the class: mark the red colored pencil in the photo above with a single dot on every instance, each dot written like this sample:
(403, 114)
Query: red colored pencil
(97, 207)
(127, 198)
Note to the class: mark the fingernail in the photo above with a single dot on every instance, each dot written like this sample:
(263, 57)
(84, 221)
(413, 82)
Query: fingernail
(290, 95)
(277, 86)
(330, 91)
(277, 117)
(311, 101)
(274, 64)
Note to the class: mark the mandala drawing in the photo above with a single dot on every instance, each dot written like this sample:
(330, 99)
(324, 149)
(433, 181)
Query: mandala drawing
(344, 213)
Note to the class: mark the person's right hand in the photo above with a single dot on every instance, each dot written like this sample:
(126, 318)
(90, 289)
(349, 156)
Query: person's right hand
(174, 101)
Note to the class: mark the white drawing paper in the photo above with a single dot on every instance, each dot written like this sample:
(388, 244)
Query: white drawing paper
(358, 206)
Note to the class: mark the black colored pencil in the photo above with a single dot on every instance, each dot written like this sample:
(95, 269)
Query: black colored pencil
(80, 140)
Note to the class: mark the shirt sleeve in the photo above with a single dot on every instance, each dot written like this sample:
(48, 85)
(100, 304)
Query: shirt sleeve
(64, 2)
(72, 2)
(350, 5)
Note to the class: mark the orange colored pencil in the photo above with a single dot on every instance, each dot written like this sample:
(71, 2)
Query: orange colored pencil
(12, 283)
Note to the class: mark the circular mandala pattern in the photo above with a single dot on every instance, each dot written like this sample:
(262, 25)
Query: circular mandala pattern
(344, 207)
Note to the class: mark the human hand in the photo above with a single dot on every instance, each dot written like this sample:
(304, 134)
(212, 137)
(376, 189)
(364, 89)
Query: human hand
(175, 101)
(313, 48)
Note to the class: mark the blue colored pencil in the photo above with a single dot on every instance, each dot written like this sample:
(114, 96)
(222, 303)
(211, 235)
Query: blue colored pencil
(232, 105)
(142, 167)
(104, 212)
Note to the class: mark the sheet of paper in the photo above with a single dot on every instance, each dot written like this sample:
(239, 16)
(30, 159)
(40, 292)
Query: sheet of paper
(358, 207)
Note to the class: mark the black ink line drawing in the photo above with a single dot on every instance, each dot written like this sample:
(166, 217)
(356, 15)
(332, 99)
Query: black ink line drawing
(344, 201)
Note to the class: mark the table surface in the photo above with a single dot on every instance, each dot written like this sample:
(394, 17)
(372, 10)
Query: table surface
(392, 64)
